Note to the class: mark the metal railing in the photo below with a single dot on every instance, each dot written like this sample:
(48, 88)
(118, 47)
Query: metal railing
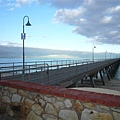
(50, 72)
(50, 63)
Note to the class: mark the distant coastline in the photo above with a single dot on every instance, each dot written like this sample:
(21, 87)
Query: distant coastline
(16, 52)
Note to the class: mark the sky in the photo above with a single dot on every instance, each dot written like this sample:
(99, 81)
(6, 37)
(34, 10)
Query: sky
(62, 24)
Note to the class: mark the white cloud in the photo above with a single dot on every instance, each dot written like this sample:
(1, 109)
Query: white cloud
(69, 16)
(19, 3)
(11, 9)
(12, 4)
(114, 9)
(107, 19)
(113, 32)
(59, 56)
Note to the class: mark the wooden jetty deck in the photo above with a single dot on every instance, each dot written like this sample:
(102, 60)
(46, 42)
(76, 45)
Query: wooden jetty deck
(63, 75)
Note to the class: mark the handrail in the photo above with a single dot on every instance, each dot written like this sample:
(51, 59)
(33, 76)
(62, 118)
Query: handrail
(15, 70)
(42, 65)
(54, 62)
(50, 65)
(51, 73)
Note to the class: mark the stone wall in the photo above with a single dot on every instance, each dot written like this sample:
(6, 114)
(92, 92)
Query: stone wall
(42, 102)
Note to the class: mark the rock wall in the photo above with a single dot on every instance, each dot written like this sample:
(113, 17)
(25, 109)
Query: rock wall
(40, 102)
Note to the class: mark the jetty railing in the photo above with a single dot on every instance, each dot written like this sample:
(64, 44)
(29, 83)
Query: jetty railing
(49, 72)
(16, 69)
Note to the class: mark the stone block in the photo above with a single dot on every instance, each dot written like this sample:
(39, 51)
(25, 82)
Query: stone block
(78, 106)
(9, 111)
(68, 115)
(22, 93)
(33, 116)
(49, 99)
(6, 88)
(13, 90)
(68, 103)
(29, 102)
(50, 109)
(106, 116)
(59, 105)
(49, 117)
(41, 102)
(104, 107)
(116, 115)
(5, 99)
(37, 109)
(16, 98)
(93, 114)
(89, 105)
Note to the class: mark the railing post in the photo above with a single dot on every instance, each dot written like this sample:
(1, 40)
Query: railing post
(57, 63)
(29, 72)
(51, 65)
(36, 66)
(76, 69)
(66, 63)
(48, 73)
(13, 69)
(0, 76)
(57, 74)
(62, 62)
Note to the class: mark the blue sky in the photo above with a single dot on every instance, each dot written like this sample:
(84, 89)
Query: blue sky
(62, 24)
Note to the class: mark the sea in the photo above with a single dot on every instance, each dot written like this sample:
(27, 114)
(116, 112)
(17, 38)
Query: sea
(5, 62)
(13, 60)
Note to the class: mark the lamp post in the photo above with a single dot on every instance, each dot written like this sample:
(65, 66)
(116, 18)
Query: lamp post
(93, 53)
(105, 55)
(23, 36)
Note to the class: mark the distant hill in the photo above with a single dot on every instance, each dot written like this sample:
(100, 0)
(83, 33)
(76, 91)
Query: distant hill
(16, 52)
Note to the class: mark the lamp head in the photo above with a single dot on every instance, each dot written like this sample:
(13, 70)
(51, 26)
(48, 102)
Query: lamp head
(28, 23)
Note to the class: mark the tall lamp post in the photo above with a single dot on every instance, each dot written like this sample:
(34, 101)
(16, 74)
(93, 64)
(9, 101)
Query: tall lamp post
(93, 53)
(23, 36)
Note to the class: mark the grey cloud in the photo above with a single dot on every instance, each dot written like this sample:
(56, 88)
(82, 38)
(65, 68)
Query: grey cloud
(95, 19)
(63, 3)
(4, 42)
(13, 44)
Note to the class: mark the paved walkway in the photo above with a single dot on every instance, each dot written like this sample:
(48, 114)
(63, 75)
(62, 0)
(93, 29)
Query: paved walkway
(110, 87)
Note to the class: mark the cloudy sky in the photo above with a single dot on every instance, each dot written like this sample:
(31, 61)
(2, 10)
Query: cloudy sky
(62, 24)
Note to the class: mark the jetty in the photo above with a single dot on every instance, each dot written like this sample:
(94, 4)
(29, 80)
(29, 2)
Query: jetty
(62, 73)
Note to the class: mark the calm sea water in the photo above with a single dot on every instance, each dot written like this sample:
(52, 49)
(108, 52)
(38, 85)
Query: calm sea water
(117, 76)
(13, 60)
